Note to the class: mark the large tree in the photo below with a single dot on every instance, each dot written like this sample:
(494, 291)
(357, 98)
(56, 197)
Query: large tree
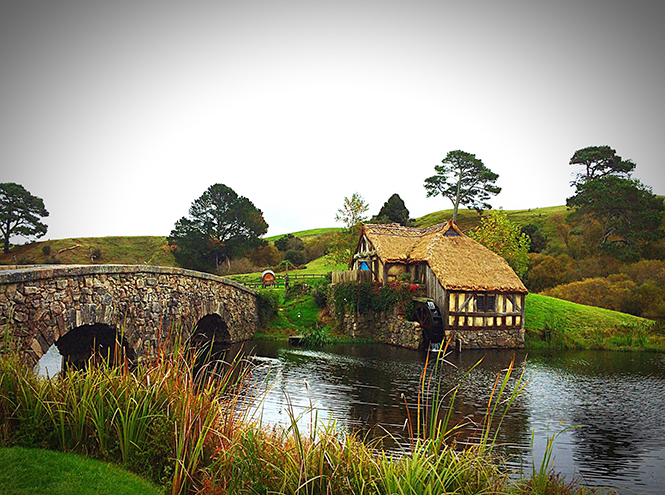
(393, 211)
(630, 215)
(500, 235)
(20, 213)
(221, 225)
(464, 180)
(598, 162)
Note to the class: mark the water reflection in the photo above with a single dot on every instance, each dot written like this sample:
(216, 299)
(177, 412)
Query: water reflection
(619, 397)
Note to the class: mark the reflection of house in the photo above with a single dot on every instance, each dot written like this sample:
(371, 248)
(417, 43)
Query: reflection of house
(479, 297)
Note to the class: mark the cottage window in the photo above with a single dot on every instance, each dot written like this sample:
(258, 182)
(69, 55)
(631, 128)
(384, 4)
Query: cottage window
(485, 303)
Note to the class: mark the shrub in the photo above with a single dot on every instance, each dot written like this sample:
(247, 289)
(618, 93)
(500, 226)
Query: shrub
(268, 302)
(46, 249)
(295, 289)
(608, 293)
(366, 297)
(538, 242)
(296, 257)
(548, 271)
(321, 293)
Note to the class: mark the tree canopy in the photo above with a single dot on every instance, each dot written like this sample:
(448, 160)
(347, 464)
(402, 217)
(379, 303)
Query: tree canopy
(20, 213)
(464, 180)
(598, 162)
(500, 235)
(393, 211)
(352, 213)
(221, 225)
(629, 213)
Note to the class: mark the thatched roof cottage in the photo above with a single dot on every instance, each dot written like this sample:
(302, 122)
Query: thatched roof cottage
(473, 292)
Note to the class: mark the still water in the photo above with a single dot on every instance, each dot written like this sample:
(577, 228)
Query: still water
(606, 409)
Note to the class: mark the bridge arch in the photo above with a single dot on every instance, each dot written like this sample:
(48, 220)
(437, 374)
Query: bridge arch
(147, 304)
(98, 340)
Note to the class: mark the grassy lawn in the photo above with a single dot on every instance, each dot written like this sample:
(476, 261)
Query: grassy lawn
(30, 471)
(552, 322)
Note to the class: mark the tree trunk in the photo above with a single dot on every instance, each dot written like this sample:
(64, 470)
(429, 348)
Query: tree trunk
(7, 232)
(457, 196)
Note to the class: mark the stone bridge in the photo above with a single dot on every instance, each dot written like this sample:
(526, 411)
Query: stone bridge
(77, 307)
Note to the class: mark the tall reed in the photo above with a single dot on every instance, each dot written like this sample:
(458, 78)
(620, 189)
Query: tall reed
(157, 419)
(183, 425)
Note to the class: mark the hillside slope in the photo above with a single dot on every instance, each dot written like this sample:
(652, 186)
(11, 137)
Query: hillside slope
(149, 250)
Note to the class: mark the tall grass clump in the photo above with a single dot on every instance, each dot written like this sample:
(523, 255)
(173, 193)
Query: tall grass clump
(163, 419)
(183, 425)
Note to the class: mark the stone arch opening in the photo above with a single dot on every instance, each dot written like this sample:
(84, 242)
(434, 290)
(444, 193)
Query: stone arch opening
(211, 333)
(95, 341)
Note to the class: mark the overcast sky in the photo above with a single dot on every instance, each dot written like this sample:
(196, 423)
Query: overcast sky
(120, 113)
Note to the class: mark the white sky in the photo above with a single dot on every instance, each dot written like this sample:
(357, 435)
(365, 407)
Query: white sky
(120, 113)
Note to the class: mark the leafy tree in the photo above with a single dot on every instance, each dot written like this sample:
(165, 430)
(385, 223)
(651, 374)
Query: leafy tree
(353, 211)
(631, 216)
(536, 240)
(289, 242)
(598, 162)
(297, 257)
(342, 243)
(20, 213)
(503, 237)
(393, 211)
(464, 180)
(221, 225)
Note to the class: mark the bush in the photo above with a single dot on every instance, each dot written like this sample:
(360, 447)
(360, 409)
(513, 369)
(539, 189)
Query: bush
(363, 297)
(321, 293)
(296, 257)
(46, 250)
(548, 271)
(268, 303)
(608, 293)
(295, 289)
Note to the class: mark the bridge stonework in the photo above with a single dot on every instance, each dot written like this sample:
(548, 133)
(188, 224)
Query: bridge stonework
(148, 303)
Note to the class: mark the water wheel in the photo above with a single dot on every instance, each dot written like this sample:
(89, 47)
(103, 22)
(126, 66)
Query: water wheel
(431, 321)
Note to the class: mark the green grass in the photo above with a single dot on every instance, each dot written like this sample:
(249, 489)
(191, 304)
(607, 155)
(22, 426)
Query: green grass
(469, 219)
(552, 322)
(217, 451)
(30, 471)
(305, 233)
(149, 250)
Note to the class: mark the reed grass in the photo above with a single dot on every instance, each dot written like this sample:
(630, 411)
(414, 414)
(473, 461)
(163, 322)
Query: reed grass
(183, 425)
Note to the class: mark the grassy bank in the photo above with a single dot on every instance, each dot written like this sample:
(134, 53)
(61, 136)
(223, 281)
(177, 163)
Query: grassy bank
(191, 435)
(559, 324)
(29, 471)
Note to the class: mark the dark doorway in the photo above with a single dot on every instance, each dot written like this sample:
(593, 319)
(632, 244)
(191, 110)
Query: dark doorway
(98, 342)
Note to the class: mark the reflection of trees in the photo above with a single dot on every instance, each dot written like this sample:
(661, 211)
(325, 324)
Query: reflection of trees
(377, 392)
(620, 399)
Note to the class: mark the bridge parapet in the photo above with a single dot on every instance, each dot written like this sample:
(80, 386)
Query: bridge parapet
(43, 303)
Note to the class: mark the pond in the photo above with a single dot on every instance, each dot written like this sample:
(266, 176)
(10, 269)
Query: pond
(606, 409)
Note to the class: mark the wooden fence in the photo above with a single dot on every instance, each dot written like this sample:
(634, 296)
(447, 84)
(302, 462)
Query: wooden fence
(351, 276)
(284, 279)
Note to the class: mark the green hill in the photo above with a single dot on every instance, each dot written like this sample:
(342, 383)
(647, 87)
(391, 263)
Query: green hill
(134, 250)
(551, 322)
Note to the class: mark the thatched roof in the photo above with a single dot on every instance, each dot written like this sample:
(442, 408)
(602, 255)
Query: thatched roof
(459, 262)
